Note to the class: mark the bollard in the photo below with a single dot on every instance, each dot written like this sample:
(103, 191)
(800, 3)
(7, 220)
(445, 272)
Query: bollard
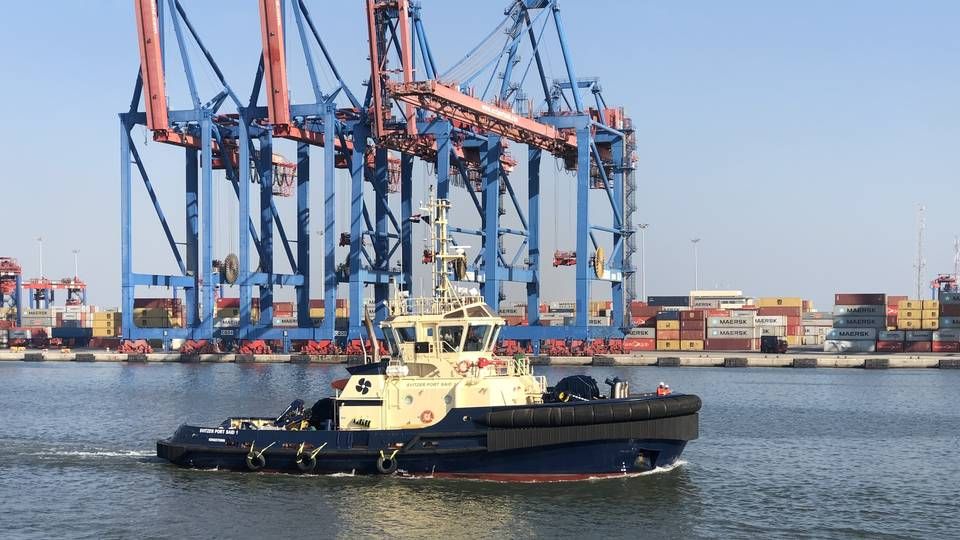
(804, 362)
(668, 361)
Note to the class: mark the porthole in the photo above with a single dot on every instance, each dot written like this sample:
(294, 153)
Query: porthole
(408, 400)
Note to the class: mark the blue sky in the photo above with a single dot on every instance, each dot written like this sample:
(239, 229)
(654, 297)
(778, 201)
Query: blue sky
(795, 138)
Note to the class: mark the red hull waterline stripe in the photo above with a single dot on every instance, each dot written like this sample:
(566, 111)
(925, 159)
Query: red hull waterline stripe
(526, 478)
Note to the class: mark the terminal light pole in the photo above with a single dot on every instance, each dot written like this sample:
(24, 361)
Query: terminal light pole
(643, 261)
(696, 264)
(921, 225)
(76, 264)
(40, 243)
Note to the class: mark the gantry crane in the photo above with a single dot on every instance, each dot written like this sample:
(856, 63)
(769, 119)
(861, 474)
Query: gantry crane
(11, 281)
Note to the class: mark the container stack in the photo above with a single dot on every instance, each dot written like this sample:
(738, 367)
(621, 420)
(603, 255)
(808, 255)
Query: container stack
(858, 318)
(693, 326)
(638, 339)
(735, 332)
(284, 314)
(949, 310)
(918, 315)
(106, 324)
(718, 299)
(668, 331)
(781, 317)
(38, 318)
(158, 312)
(815, 325)
(669, 303)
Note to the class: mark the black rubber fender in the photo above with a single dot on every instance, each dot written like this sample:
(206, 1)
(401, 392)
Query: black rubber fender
(386, 464)
(306, 463)
(255, 462)
(582, 413)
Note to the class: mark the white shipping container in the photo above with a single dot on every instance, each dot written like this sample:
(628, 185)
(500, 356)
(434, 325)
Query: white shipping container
(733, 333)
(779, 331)
(844, 334)
(227, 322)
(649, 333)
(816, 330)
(29, 312)
(770, 320)
(811, 340)
(74, 309)
(892, 335)
(849, 346)
(598, 321)
(699, 303)
(71, 315)
(738, 322)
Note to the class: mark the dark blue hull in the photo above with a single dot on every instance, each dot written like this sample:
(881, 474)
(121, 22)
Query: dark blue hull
(457, 446)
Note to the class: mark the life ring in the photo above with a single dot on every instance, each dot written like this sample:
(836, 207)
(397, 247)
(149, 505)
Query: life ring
(387, 464)
(255, 462)
(306, 463)
(463, 366)
(426, 416)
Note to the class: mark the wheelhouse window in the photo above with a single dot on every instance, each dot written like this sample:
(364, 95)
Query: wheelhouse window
(450, 338)
(391, 340)
(477, 337)
(406, 334)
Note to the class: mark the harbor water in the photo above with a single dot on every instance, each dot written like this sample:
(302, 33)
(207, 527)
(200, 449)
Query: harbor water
(782, 453)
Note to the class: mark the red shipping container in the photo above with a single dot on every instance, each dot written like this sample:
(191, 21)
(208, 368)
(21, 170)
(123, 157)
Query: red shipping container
(517, 320)
(692, 315)
(793, 321)
(794, 330)
(780, 311)
(716, 313)
(631, 344)
(860, 299)
(889, 346)
(731, 344)
(693, 325)
(892, 311)
(895, 300)
(668, 334)
(950, 310)
(691, 335)
(644, 311)
(805, 304)
(892, 321)
(316, 303)
(224, 303)
(945, 346)
(645, 322)
(918, 346)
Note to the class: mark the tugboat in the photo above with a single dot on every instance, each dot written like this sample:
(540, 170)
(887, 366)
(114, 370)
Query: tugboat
(442, 405)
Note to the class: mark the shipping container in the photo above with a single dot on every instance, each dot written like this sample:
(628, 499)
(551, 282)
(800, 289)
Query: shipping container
(910, 305)
(931, 304)
(665, 301)
(930, 314)
(695, 345)
(949, 298)
(732, 333)
(692, 315)
(945, 346)
(895, 335)
(949, 310)
(668, 345)
(861, 299)
(785, 311)
(780, 302)
(686, 335)
(770, 320)
(949, 322)
(642, 333)
(909, 324)
(631, 344)
(849, 346)
(894, 346)
(668, 316)
(918, 346)
(857, 321)
(778, 331)
(918, 335)
(861, 309)
(668, 334)
(731, 344)
(930, 324)
(952, 334)
(668, 325)
(737, 322)
(852, 334)
(698, 325)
